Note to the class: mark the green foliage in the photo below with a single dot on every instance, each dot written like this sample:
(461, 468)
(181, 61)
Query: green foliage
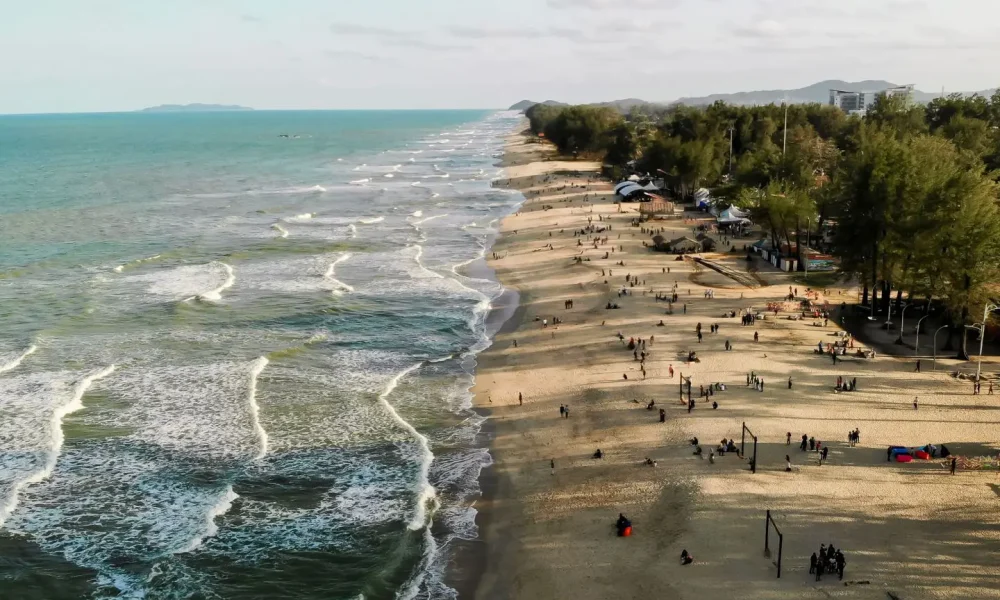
(910, 190)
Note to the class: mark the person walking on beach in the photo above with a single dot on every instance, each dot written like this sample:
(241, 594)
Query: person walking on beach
(562, 411)
(954, 463)
(789, 383)
(788, 438)
(989, 390)
(756, 337)
(566, 411)
(520, 399)
(917, 370)
(914, 403)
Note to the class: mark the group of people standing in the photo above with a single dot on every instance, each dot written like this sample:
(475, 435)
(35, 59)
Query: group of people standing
(830, 560)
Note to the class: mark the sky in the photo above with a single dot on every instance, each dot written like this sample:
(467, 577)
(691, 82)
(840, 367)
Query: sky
(111, 55)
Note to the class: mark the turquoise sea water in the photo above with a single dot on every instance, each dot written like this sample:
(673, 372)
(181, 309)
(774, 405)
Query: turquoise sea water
(235, 351)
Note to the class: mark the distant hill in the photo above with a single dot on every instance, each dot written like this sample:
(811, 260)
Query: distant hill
(524, 105)
(817, 92)
(194, 108)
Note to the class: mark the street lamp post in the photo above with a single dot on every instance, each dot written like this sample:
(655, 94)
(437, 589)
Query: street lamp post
(902, 318)
(916, 346)
(934, 344)
(982, 336)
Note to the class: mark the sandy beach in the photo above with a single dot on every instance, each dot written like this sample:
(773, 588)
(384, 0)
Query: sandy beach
(907, 530)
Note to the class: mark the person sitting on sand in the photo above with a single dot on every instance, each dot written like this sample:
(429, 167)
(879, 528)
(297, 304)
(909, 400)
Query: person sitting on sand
(651, 404)
(731, 446)
(694, 441)
(698, 451)
(660, 324)
(686, 558)
(598, 454)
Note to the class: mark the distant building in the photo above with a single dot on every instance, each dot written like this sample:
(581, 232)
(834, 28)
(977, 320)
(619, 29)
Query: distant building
(858, 103)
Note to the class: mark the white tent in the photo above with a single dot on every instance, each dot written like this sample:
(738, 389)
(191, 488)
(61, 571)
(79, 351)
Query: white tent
(729, 217)
(736, 212)
(702, 194)
(623, 184)
(650, 187)
(634, 177)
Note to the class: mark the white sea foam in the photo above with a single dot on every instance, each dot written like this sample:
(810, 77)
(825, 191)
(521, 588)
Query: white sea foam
(220, 508)
(418, 254)
(353, 229)
(418, 213)
(371, 220)
(359, 167)
(389, 175)
(255, 372)
(134, 263)
(216, 294)
(55, 440)
(8, 363)
(360, 181)
(299, 218)
(428, 218)
(423, 489)
(340, 286)
(435, 195)
(282, 232)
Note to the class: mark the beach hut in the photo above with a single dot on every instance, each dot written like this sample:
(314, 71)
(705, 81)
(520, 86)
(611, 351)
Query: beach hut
(657, 207)
(684, 244)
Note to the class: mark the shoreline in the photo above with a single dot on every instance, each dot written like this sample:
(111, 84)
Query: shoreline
(547, 533)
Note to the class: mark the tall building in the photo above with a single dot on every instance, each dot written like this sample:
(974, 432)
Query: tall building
(858, 103)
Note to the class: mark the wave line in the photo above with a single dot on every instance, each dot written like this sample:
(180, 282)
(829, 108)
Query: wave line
(13, 364)
(425, 492)
(258, 366)
(74, 404)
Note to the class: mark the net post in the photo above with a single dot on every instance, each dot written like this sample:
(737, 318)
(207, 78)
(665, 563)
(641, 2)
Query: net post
(767, 531)
(781, 540)
(754, 463)
(743, 439)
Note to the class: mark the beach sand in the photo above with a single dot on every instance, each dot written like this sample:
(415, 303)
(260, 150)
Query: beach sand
(912, 529)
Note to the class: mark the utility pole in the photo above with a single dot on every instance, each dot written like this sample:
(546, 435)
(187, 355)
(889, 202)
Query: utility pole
(784, 143)
(731, 130)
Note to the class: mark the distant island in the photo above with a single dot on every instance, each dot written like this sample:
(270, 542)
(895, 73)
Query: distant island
(195, 108)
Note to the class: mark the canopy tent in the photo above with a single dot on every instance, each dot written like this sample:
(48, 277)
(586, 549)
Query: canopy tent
(634, 177)
(702, 198)
(736, 212)
(651, 187)
(628, 190)
(729, 216)
(623, 184)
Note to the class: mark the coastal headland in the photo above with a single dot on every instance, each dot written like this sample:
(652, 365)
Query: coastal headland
(548, 513)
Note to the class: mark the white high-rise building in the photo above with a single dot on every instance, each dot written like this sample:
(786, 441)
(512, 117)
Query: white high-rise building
(858, 103)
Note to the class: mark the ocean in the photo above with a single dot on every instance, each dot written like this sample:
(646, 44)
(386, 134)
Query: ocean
(236, 351)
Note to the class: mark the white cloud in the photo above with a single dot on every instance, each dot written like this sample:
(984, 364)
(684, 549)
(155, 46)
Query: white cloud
(767, 28)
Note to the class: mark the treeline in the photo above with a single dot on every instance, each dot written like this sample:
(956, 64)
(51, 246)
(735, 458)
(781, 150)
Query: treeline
(910, 192)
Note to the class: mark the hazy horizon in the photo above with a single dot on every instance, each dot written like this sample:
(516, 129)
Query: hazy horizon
(113, 56)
